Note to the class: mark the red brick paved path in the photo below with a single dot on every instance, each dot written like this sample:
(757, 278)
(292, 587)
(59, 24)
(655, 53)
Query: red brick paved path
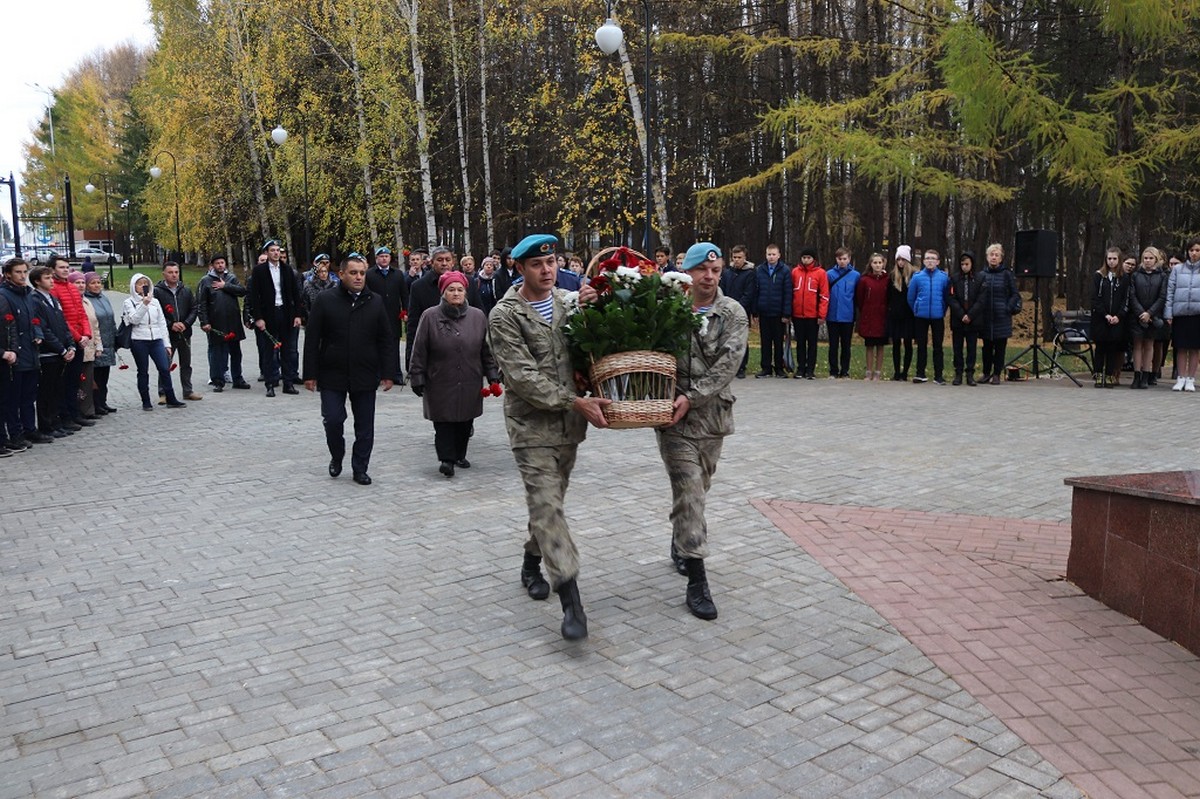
(1113, 705)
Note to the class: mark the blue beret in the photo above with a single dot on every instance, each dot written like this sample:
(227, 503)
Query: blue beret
(321, 257)
(383, 251)
(268, 243)
(537, 244)
(699, 253)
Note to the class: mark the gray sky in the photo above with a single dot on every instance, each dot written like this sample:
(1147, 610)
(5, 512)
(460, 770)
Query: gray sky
(44, 40)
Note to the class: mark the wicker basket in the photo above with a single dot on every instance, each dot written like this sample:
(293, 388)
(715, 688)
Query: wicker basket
(641, 385)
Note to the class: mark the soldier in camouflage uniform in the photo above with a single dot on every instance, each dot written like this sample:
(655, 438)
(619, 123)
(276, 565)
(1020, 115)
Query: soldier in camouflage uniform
(545, 417)
(691, 445)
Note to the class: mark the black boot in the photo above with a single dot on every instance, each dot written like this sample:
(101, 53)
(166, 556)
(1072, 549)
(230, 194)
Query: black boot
(574, 623)
(957, 379)
(699, 600)
(679, 561)
(531, 577)
(1137, 380)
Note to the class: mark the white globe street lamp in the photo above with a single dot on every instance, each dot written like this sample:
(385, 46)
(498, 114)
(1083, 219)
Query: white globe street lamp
(279, 135)
(609, 37)
(155, 172)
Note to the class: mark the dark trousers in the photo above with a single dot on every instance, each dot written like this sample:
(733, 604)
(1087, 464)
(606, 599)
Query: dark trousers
(333, 415)
(994, 350)
(100, 375)
(841, 335)
(284, 361)
(770, 330)
(181, 345)
(144, 351)
(1109, 357)
(399, 361)
(450, 439)
(805, 332)
(927, 329)
(50, 393)
(224, 355)
(961, 338)
(19, 392)
(72, 375)
(908, 347)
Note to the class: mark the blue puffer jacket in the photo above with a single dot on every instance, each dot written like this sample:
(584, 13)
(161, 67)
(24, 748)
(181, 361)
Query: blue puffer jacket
(928, 292)
(1002, 300)
(1183, 291)
(772, 293)
(842, 283)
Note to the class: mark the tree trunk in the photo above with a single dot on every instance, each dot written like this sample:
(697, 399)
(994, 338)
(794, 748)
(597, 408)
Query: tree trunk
(422, 124)
(483, 132)
(462, 138)
(364, 142)
(639, 123)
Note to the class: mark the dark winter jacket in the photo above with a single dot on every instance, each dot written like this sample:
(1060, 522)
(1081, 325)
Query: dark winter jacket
(314, 286)
(486, 287)
(348, 345)
(178, 306)
(966, 299)
(220, 308)
(772, 293)
(900, 320)
(392, 288)
(1110, 297)
(56, 335)
(450, 360)
(1148, 294)
(19, 335)
(738, 285)
(1001, 301)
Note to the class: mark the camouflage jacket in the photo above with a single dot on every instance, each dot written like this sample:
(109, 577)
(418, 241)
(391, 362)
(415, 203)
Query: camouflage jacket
(539, 380)
(706, 371)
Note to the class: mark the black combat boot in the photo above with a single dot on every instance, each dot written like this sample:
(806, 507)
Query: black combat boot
(574, 623)
(531, 577)
(699, 600)
(1137, 380)
(679, 560)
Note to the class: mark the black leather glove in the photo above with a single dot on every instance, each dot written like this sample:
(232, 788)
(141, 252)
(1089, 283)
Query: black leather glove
(418, 390)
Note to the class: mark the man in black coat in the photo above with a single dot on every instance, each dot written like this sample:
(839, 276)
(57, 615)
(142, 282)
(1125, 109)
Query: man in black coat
(737, 283)
(349, 350)
(179, 306)
(391, 285)
(220, 315)
(274, 303)
(424, 294)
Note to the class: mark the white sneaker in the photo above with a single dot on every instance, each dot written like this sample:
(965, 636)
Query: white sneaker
(1179, 384)
(1191, 384)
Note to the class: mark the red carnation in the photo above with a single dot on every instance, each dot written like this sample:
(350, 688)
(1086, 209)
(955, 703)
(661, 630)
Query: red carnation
(174, 366)
(9, 317)
(404, 316)
(170, 309)
(36, 321)
(230, 336)
(483, 392)
(123, 366)
(495, 389)
(82, 378)
(278, 346)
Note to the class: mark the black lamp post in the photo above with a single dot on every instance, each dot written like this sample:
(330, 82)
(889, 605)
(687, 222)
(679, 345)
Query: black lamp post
(70, 218)
(12, 196)
(280, 135)
(128, 236)
(608, 38)
(89, 188)
(156, 173)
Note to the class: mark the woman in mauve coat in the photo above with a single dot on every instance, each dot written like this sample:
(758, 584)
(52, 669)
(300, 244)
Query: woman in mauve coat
(450, 360)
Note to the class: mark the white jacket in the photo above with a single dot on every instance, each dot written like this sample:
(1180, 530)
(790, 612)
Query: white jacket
(148, 321)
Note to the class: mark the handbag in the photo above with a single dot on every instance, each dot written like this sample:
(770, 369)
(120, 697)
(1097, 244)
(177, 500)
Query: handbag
(124, 335)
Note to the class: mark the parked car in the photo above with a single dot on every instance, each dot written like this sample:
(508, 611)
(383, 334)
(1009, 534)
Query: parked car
(99, 257)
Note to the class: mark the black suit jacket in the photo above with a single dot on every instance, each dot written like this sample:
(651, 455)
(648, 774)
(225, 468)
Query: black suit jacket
(261, 297)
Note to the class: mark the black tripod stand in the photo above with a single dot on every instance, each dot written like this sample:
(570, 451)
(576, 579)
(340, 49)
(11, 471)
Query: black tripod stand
(1036, 347)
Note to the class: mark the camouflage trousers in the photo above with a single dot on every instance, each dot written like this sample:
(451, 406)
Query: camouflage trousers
(546, 471)
(691, 463)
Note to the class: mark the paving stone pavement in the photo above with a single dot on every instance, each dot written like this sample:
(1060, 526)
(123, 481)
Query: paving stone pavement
(191, 607)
